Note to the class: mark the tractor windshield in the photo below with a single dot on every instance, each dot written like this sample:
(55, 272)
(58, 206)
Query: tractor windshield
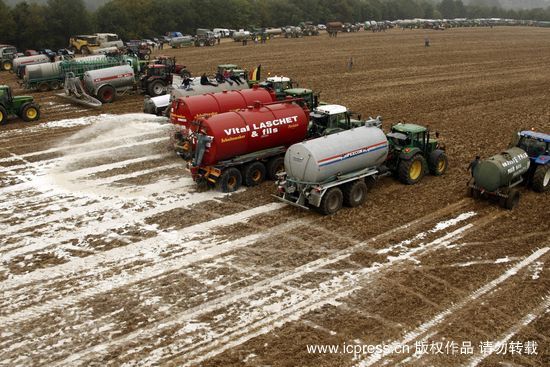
(533, 147)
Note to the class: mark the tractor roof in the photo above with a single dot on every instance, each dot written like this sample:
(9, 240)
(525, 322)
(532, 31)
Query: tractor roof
(228, 66)
(408, 128)
(536, 135)
(331, 109)
(297, 91)
(278, 79)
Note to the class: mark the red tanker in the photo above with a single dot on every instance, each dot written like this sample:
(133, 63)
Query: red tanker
(245, 145)
(185, 110)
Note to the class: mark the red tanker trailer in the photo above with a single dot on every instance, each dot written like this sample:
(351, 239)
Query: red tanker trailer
(246, 145)
(185, 110)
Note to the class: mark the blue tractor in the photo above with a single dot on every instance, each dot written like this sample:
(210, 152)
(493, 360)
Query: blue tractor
(537, 147)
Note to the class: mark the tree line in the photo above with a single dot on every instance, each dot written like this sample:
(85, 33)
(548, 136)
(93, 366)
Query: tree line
(49, 25)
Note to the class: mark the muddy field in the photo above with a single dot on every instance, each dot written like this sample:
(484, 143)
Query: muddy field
(109, 256)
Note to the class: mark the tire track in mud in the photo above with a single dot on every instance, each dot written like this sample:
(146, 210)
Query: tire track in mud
(262, 286)
(436, 321)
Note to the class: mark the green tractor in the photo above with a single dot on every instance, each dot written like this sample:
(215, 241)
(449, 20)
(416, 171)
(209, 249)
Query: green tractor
(7, 54)
(413, 153)
(22, 106)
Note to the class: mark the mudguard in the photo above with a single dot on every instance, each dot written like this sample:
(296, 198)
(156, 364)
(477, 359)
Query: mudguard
(542, 160)
(408, 153)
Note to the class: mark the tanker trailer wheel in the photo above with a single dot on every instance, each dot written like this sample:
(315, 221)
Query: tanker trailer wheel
(511, 201)
(6, 65)
(411, 171)
(230, 180)
(30, 112)
(438, 162)
(541, 179)
(55, 85)
(43, 87)
(355, 193)
(106, 94)
(3, 115)
(332, 201)
(254, 173)
(274, 166)
(157, 88)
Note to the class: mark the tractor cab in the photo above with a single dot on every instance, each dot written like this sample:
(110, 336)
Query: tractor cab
(157, 70)
(311, 100)
(535, 144)
(330, 119)
(278, 84)
(410, 136)
(5, 95)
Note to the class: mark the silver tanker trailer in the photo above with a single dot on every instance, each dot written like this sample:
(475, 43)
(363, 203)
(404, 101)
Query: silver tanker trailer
(329, 171)
(105, 84)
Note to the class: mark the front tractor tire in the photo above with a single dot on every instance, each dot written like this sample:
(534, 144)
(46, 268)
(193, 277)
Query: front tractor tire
(156, 88)
(30, 112)
(411, 171)
(106, 94)
(230, 180)
(355, 193)
(254, 173)
(332, 201)
(438, 162)
(541, 179)
(3, 115)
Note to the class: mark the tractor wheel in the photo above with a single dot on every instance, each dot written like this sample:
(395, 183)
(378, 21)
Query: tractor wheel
(332, 201)
(275, 165)
(184, 73)
(355, 193)
(411, 171)
(438, 162)
(43, 87)
(156, 88)
(146, 57)
(106, 94)
(230, 180)
(254, 173)
(30, 112)
(201, 43)
(511, 201)
(7, 65)
(541, 179)
(3, 115)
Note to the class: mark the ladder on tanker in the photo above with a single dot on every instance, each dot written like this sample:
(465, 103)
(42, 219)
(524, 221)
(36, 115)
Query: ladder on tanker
(75, 92)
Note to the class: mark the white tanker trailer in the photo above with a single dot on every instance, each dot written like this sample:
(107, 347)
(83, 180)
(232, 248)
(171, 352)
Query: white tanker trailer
(105, 84)
(158, 105)
(19, 63)
(329, 171)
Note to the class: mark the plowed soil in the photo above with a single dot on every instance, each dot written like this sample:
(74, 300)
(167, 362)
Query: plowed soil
(110, 255)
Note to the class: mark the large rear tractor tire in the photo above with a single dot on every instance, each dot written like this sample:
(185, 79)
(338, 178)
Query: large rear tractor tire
(332, 201)
(7, 65)
(355, 193)
(230, 180)
(3, 115)
(411, 171)
(30, 112)
(156, 88)
(438, 162)
(541, 179)
(106, 94)
(254, 173)
(274, 166)
(511, 201)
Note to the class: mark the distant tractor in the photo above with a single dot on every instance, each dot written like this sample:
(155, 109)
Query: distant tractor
(22, 106)
(526, 161)
(156, 79)
(309, 29)
(413, 153)
(7, 54)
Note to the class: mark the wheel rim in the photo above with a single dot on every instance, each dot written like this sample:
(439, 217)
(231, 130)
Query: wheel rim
(357, 194)
(256, 176)
(416, 170)
(232, 182)
(107, 95)
(32, 113)
(7, 66)
(333, 203)
(158, 88)
(2, 116)
(441, 165)
(546, 179)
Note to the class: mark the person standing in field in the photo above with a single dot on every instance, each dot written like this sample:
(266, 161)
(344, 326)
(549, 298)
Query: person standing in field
(350, 64)
(426, 41)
